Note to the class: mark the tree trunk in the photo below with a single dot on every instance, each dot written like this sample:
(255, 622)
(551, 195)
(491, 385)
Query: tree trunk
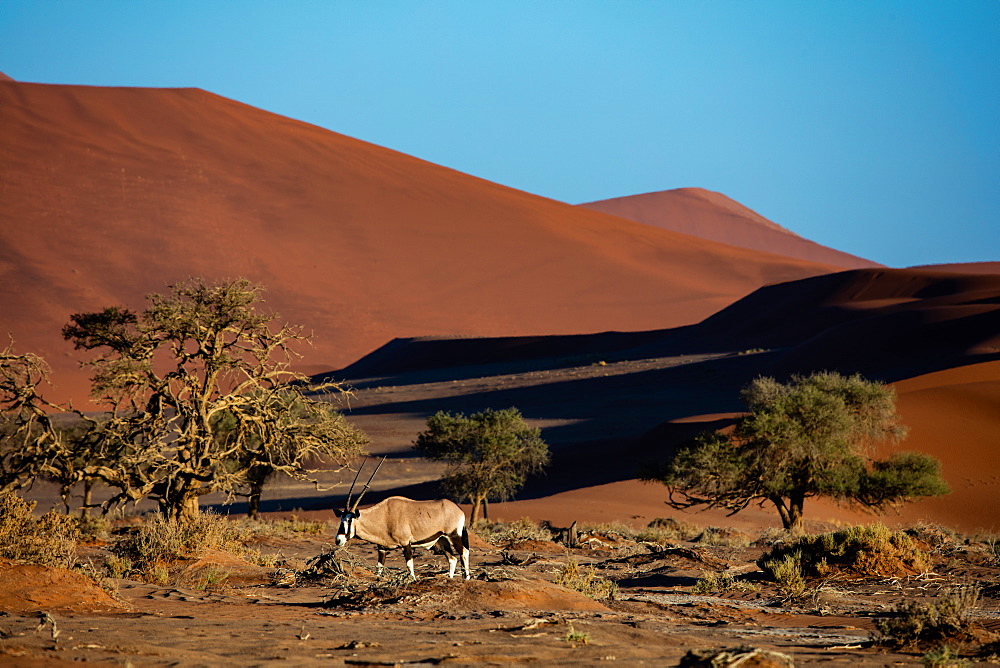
(477, 504)
(253, 505)
(182, 509)
(790, 513)
(88, 497)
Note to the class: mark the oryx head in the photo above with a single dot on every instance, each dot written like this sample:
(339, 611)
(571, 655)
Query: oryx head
(346, 531)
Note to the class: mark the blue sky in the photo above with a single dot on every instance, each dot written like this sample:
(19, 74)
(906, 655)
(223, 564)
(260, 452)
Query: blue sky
(872, 127)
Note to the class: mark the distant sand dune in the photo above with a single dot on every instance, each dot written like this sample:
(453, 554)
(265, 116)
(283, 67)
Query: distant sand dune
(711, 215)
(111, 193)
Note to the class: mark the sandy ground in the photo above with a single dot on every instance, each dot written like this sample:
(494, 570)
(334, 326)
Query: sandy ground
(511, 613)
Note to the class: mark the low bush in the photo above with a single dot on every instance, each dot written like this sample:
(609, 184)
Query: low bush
(150, 546)
(717, 583)
(722, 537)
(49, 540)
(664, 529)
(787, 571)
(586, 581)
(510, 533)
(917, 624)
(870, 550)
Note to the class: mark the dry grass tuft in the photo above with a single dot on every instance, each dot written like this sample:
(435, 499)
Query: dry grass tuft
(146, 550)
(586, 581)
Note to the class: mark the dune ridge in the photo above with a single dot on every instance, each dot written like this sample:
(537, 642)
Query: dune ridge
(112, 193)
(713, 216)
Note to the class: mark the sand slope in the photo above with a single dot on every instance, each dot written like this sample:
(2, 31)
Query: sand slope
(889, 323)
(711, 215)
(111, 193)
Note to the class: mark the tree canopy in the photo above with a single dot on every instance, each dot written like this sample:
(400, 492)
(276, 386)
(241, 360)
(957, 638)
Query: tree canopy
(489, 454)
(200, 392)
(813, 436)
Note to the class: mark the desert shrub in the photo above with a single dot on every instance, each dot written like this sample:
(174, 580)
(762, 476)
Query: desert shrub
(509, 533)
(787, 571)
(117, 566)
(925, 624)
(93, 528)
(940, 539)
(737, 656)
(49, 540)
(158, 541)
(944, 656)
(586, 581)
(213, 576)
(664, 529)
(574, 636)
(992, 545)
(716, 583)
(770, 537)
(869, 550)
(722, 537)
(616, 529)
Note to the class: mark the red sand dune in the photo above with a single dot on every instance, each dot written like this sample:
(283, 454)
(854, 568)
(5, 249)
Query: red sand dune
(964, 267)
(890, 323)
(954, 415)
(711, 215)
(112, 193)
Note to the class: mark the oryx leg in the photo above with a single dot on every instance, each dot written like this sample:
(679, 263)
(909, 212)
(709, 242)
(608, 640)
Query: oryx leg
(465, 554)
(408, 554)
(447, 546)
(459, 546)
(381, 561)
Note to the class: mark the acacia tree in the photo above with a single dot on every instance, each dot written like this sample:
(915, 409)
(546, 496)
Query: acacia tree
(40, 439)
(30, 443)
(172, 371)
(489, 454)
(812, 436)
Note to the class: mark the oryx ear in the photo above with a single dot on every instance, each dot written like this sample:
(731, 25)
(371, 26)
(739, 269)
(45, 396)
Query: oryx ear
(338, 513)
(357, 514)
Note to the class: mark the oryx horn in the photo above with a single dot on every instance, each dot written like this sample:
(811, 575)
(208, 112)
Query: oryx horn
(367, 484)
(351, 491)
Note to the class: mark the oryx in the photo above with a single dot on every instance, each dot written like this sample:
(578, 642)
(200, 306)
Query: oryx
(400, 522)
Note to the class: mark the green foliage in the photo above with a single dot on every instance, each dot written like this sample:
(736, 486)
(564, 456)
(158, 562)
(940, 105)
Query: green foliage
(786, 569)
(809, 437)
(202, 398)
(574, 636)
(489, 454)
(49, 540)
(870, 550)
